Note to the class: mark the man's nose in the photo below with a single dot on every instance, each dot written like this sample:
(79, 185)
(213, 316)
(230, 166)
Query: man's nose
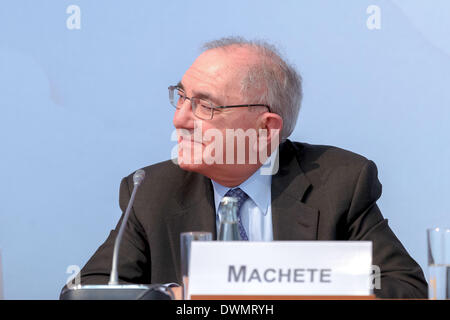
(184, 117)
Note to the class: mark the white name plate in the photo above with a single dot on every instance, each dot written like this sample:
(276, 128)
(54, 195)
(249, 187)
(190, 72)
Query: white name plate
(280, 268)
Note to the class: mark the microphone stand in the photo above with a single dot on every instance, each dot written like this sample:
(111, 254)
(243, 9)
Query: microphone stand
(113, 290)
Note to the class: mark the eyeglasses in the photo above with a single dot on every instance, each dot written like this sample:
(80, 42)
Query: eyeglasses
(201, 108)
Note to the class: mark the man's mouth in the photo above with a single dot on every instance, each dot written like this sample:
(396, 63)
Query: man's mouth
(188, 139)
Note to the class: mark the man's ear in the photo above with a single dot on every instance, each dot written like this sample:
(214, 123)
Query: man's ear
(273, 123)
(269, 128)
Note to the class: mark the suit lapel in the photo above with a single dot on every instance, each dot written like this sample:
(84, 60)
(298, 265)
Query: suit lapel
(197, 213)
(291, 218)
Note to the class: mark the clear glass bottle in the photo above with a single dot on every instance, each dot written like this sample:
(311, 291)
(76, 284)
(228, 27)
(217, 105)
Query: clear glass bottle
(229, 224)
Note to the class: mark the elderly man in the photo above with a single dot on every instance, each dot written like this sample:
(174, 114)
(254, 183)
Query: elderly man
(234, 88)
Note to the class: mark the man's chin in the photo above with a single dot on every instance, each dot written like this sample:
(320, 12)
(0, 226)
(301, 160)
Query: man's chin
(191, 165)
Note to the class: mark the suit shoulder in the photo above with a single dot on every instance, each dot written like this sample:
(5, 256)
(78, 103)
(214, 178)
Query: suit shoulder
(166, 171)
(165, 168)
(336, 172)
(328, 156)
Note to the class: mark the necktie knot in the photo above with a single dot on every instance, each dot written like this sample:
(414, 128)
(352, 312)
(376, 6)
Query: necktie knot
(241, 196)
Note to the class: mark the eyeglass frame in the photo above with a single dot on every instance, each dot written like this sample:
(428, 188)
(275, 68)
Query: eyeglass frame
(173, 88)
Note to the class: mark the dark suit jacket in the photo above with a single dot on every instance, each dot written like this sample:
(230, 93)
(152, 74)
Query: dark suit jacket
(319, 193)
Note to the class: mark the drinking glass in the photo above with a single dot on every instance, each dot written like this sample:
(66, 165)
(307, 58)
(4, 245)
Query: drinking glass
(186, 239)
(438, 240)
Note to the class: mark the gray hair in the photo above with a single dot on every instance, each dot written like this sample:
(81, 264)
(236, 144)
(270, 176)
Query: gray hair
(280, 82)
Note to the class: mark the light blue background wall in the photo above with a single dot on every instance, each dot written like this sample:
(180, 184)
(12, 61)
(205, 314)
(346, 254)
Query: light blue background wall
(80, 109)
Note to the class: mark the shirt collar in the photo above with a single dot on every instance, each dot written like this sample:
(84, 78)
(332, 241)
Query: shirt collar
(257, 187)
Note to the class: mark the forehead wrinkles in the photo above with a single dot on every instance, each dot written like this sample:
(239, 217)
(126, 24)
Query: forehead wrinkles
(218, 72)
(201, 76)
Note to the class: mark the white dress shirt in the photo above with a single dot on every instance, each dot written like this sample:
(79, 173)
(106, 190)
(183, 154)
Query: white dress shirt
(256, 211)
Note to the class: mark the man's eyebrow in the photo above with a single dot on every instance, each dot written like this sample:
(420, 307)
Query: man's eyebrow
(180, 85)
(199, 94)
(204, 96)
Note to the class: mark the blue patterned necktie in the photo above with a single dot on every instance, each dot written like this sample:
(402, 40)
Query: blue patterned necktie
(241, 196)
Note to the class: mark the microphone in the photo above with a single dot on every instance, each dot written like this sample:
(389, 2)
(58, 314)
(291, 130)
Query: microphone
(138, 177)
(114, 290)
